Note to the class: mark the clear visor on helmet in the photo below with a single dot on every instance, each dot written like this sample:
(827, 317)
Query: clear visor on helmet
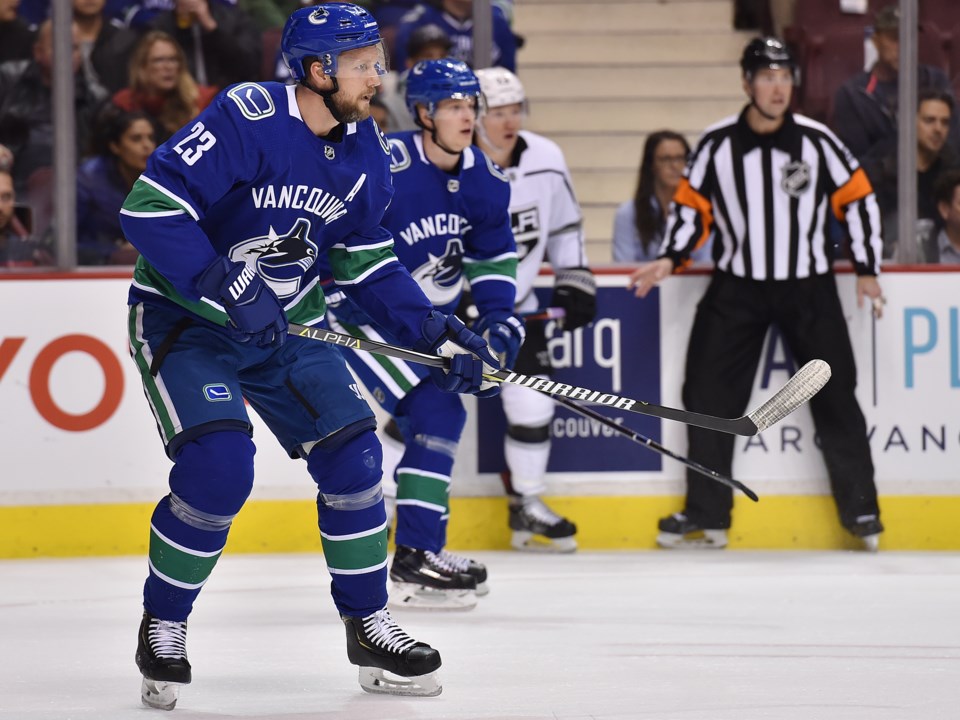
(457, 105)
(370, 61)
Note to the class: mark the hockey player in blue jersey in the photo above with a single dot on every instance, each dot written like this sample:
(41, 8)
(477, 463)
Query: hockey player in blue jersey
(231, 217)
(449, 220)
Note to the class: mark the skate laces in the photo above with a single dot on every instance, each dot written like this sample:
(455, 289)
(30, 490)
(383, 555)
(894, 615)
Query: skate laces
(382, 630)
(445, 563)
(168, 639)
(456, 563)
(537, 509)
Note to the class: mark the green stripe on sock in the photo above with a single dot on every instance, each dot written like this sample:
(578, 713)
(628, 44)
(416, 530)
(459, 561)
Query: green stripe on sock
(425, 489)
(179, 565)
(356, 553)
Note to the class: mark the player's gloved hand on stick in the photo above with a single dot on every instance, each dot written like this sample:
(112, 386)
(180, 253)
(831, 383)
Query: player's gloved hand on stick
(505, 333)
(575, 290)
(254, 310)
(447, 336)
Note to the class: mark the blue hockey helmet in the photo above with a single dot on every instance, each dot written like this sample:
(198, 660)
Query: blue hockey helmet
(430, 81)
(325, 31)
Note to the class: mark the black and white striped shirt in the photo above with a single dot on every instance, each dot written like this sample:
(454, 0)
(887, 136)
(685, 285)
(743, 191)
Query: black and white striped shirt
(767, 199)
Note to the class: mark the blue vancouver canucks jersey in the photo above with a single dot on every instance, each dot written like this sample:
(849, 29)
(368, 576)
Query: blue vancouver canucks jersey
(249, 180)
(448, 227)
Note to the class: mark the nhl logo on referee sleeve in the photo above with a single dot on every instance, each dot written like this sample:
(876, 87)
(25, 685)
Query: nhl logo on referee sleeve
(796, 178)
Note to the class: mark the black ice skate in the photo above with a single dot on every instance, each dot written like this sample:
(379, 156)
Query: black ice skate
(379, 646)
(868, 529)
(421, 581)
(162, 658)
(460, 564)
(678, 531)
(537, 528)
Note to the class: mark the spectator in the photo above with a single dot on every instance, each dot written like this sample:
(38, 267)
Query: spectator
(865, 107)
(639, 223)
(765, 180)
(16, 39)
(455, 18)
(935, 109)
(26, 121)
(105, 47)
(123, 140)
(161, 85)
(221, 43)
(17, 249)
(427, 42)
(946, 250)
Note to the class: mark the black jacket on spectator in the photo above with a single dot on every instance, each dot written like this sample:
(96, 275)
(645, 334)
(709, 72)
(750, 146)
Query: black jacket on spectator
(111, 56)
(863, 119)
(231, 53)
(26, 116)
(16, 41)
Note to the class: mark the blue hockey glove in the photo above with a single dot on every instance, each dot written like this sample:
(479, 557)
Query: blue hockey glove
(254, 310)
(575, 290)
(447, 336)
(504, 332)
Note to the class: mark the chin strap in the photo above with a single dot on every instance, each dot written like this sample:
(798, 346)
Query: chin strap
(327, 96)
(436, 140)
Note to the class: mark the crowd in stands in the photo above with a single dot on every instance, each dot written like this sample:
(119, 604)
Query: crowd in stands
(144, 68)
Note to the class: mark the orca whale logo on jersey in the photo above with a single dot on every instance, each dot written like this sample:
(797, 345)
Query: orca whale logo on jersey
(441, 277)
(796, 178)
(281, 260)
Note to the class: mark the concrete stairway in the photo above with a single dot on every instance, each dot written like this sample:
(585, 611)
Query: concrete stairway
(603, 74)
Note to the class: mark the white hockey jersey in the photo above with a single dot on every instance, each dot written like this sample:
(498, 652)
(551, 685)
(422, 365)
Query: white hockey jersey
(544, 213)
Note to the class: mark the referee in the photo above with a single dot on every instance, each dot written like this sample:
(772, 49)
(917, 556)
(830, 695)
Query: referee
(763, 183)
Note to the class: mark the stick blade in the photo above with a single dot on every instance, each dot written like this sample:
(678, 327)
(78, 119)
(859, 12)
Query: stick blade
(798, 390)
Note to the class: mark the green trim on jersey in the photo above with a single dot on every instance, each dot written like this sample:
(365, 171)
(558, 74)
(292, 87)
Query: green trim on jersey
(480, 268)
(387, 363)
(144, 198)
(356, 553)
(348, 265)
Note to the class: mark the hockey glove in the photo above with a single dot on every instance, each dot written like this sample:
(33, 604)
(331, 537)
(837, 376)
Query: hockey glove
(575, 290)
(504, 332)
(254, 310)
(447, 336)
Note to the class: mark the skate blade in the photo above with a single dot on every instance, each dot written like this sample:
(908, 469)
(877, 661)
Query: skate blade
(703, 540)
(871, 543)
(419, 597)
(159, 695)
(483, 589)
(377, 681)
(526, 541)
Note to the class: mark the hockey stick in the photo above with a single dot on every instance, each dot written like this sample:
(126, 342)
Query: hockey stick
(550, 313)
(655, 446)
(800, 388)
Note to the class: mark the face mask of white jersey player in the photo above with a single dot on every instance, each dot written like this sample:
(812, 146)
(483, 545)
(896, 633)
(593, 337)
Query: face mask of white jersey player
(231, 217)
(450, 223)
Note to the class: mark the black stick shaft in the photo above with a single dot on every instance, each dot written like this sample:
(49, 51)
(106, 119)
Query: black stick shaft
(656, 447)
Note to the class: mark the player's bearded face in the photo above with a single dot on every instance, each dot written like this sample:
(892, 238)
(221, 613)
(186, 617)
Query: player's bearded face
(358, 77)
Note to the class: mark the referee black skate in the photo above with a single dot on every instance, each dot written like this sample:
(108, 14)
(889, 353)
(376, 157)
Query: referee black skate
(762, 183)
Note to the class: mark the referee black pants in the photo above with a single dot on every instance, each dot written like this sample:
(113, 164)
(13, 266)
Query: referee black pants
(726, 342)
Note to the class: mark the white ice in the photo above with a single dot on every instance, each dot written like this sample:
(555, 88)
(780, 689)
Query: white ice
(648, 635)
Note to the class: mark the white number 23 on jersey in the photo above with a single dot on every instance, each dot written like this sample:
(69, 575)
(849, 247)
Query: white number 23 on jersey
(192, 147)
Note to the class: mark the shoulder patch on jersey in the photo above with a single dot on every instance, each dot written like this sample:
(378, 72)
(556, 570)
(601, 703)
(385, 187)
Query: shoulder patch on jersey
(253, 100)
(494, 170)
(399, 155)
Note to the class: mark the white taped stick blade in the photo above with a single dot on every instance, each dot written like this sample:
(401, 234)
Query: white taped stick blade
(800, 388)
